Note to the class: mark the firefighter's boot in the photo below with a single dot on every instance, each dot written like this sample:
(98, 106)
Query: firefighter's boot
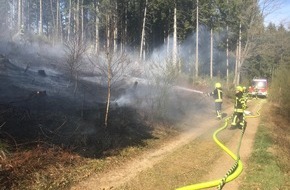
(241, 125)
(219, 115)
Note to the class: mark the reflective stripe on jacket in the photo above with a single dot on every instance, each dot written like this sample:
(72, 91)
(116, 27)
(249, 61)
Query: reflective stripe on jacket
(239, 110)
(217, 95)
(240, 103)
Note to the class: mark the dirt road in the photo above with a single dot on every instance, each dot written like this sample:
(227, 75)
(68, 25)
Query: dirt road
(190, 158)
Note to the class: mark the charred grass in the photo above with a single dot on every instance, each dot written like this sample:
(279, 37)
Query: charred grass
(53, 150)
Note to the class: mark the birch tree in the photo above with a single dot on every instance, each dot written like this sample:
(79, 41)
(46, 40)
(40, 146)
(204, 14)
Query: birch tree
(20, 14)
(227, 42)
(174, 51)
(109, 85)
(69, 20)
(40, 25)
(143, 31)
(97, 12)
(214, 25)
(196, 41)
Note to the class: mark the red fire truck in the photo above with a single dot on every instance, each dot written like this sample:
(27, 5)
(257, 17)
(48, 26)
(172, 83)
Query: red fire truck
(259, 88)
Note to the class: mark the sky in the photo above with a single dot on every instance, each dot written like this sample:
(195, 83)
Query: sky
(279, 14)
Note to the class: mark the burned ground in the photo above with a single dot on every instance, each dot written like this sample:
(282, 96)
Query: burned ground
(42, 110)
(46, 108)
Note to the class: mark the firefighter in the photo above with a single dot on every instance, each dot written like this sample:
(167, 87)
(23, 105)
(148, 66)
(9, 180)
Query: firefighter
(217, 94)
(244, 89)
(256, 92)
(245, 94)
(238, 119)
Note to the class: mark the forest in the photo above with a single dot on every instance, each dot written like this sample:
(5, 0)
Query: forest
(86, 79)
(206, 38)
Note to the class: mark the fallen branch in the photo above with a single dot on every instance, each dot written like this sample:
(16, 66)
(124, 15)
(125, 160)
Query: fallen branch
(2, 125)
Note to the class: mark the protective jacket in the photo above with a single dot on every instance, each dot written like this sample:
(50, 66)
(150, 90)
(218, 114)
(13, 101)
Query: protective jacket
(240, 103)
(218, 98)
(217, 95)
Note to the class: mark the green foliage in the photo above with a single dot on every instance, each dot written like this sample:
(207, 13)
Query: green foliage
(280, 91)
(264, 170)
(271, 50)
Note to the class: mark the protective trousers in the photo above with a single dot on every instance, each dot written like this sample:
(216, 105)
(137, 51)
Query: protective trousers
(218, 108)
(238, 120)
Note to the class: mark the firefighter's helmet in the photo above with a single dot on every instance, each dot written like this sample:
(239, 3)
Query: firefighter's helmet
(239, 88)
(218, 85)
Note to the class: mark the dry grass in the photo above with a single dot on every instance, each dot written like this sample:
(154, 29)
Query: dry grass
(50, 167)
(44, 168)
(270, 162)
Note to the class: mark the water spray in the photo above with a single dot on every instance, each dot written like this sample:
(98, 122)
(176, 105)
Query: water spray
(188, 89)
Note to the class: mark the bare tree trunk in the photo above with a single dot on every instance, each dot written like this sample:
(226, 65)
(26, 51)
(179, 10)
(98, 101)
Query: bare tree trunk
(143, 31)
(240, 55)
(51, 10)
(108, 32)
(124, 36)
(109, 89)
(115, 29)
(115, 37)
(227, 51)
(77, 20)
(82, 20)
(227, 54)
(53, 23)
(58, 21)
(196, 45)
(168, 43)
(236, 64)
(174, 49)
(144, 52)
(69, 21)
(27, 15)
(211, 53)
(40, 27)
(74, 17)
(97, 27)
(19, 21)
(11, 19)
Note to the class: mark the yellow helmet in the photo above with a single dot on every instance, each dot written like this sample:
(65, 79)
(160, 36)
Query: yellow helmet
(218, 85)
(239, 88)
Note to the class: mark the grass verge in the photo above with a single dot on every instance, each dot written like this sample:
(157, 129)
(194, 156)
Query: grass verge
(269, 165)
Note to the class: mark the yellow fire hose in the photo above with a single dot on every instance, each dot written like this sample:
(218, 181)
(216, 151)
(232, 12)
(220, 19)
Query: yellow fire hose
(236, 169)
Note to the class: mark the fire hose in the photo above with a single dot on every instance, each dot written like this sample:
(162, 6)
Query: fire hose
(237, 167)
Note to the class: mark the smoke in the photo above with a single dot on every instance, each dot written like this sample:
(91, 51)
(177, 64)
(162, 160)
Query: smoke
(187, 52)
(125, 100)
(161, 56)
(155, 81)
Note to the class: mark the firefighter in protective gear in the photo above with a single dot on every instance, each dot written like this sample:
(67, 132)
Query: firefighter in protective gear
(238, 119)
(245, 94)
(217, 94)
(244, 89)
